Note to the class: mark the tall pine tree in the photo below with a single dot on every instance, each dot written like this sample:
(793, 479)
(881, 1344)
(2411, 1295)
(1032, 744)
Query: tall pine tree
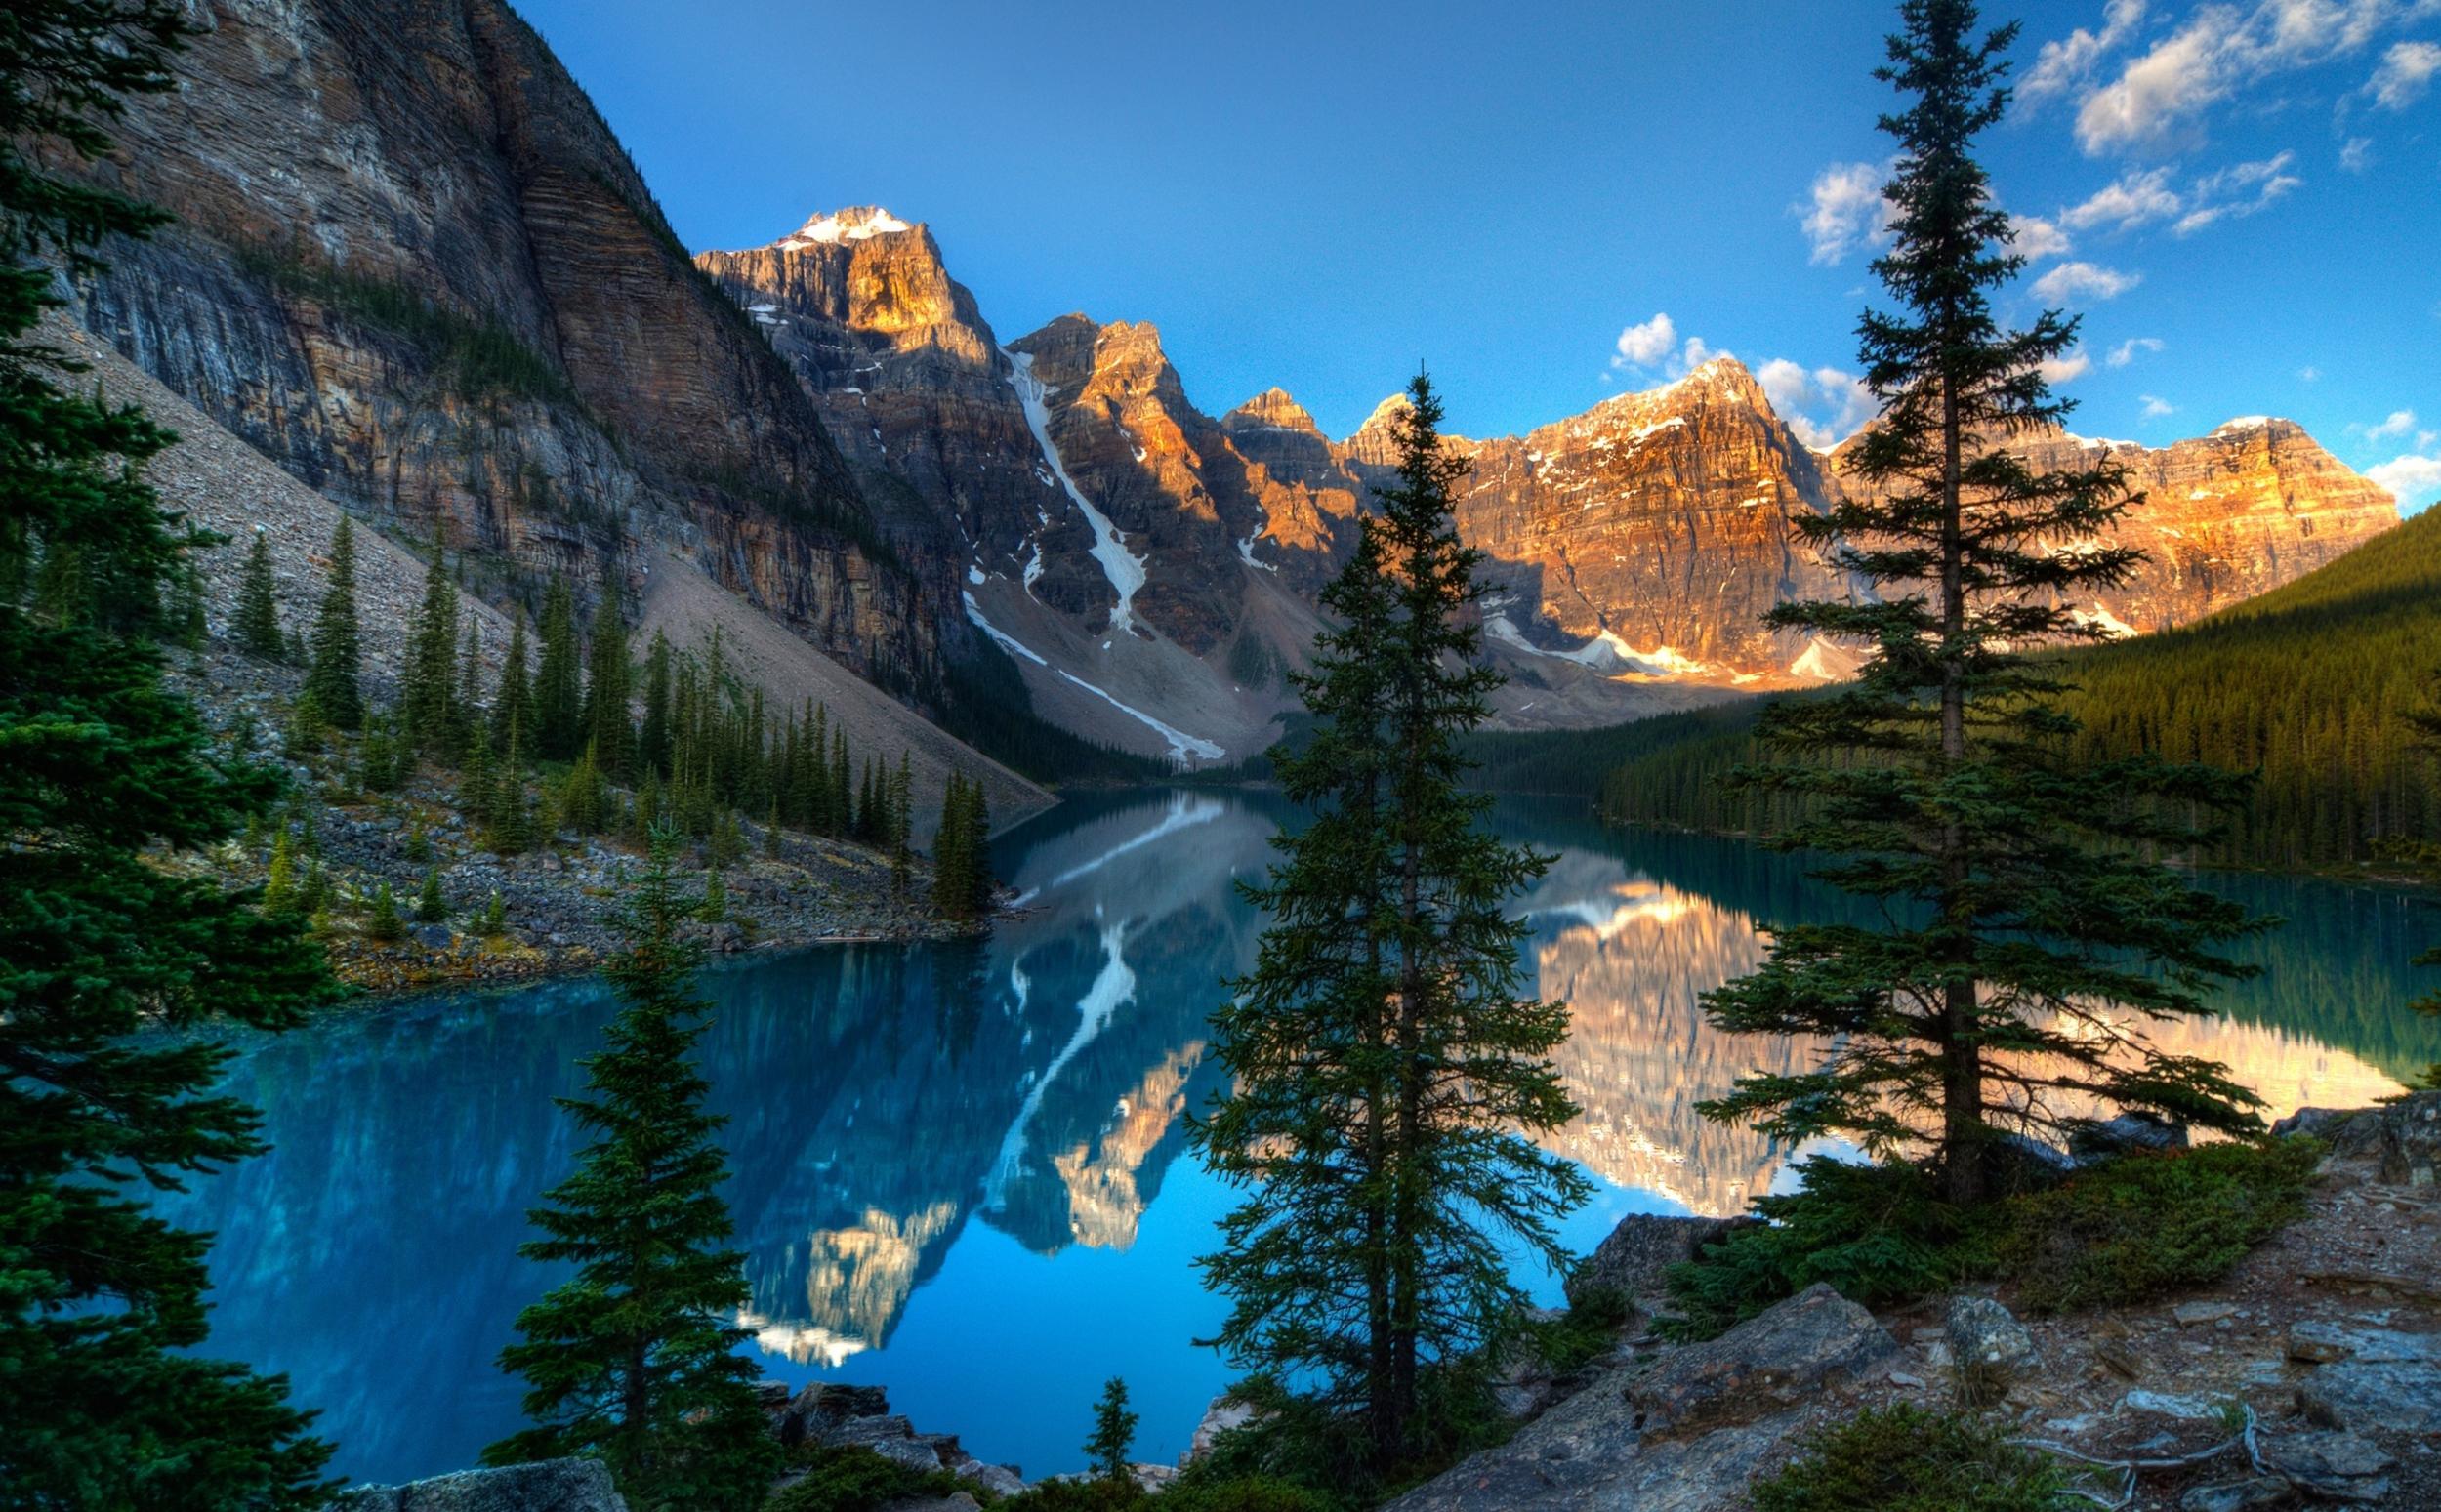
(330, 684)
(559, 679)
(514, 702)
(256, 626)
(605, 720)
(2029, 939)
(102, 1305)
(427, 703)
(1383, 1070)
(631, 1360)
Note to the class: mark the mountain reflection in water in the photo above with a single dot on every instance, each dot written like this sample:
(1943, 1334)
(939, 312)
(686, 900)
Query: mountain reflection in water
(957, 1168)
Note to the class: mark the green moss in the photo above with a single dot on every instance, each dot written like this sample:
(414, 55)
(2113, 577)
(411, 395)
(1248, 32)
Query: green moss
(1906, 1459)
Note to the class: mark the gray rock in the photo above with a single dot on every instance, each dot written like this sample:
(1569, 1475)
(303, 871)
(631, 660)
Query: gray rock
(2402, 1396)
(1224, 1413)
(914, 1453)
(2255, 1494)
(2127, 1134)
(874, 1430)
(1640, 1250)
(999, 1480)
(2193, 1315)
(550, 1485)
(2349, 1131)
(2335, 1466)
(1777, 1360)
(1983, 1333)
(2015, 1164)
(2324, 1342)
(2410, 1141)
(434, 936)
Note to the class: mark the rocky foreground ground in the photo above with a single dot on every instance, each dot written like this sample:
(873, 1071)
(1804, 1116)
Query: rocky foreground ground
(2309, 1376)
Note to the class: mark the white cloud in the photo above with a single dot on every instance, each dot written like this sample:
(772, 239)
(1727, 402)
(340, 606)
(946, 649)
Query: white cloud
(2038, 238)
(2413, 481)
(1823, 407)
(2067, 368)
(2227, 193)
(2138, 197)
(1694, 355)
(2310, 374)
(2125, 351)
(1643, 346)
(1848, 210)
(2405, 73)
(2219, 48)
(2426, 438)
(2073, 282)
(2064, 64)
(2357, 155)
(2155, 409)
(2399, 423)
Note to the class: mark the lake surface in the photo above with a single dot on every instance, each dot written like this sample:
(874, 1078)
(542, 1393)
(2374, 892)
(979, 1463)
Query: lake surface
(960, 1170)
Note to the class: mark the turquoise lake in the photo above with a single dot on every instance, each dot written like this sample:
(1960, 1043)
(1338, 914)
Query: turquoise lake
(960, 1170)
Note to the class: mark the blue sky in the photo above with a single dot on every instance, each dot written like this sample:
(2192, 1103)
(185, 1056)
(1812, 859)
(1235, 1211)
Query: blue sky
(1549, 202)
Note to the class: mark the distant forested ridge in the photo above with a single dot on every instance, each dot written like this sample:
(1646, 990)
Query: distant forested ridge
(2309, 685)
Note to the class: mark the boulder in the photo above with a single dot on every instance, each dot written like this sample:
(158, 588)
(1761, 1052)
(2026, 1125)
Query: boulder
(1224, 1413)
(999, 1480)
(1640, 1250)
(2402, 1396)
(548, 1485)
(1776, 1360)
(2335, 1466)
(2410, 1141)
(2128, 1133)
(2255, 1494)
(1982, 1333)
(2015, 1164)
(914, 1453)
(2350, 1132)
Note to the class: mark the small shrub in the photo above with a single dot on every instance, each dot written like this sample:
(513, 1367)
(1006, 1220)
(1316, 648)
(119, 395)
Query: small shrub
(1583, 1334)
(385, 927)
(1906, 1459)
(1878, 1234)
(851, 1478)
(1245, 1494)
(2148, 1224)
(1099, 1494)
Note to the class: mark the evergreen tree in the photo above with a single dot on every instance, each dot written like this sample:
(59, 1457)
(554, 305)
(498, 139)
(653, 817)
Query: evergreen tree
(478, 785)
(652, 743)
(2029, 938)
(335, 656)
(558, 694)
(631, 1360)
(428, 696)
(384, 924)
(279, 888)
(430, 908)
(605, 720)
(256, 628)
(102, 1303)
(1114, 1432)
(714, 909)
(493, 923)
(1382, 1072)
(584, 802)
(466, 704)
(509, 820)
(514, 702)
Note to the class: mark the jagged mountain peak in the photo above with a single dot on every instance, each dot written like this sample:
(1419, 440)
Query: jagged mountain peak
(856, 223)
(1272, 409)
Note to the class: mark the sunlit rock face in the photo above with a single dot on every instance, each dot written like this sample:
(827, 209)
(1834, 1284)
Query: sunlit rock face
(411, 264)
(1658, 526)
(2222, 518)
(857, 1282)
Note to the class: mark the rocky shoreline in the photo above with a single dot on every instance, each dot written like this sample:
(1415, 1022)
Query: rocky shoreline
(560, 900)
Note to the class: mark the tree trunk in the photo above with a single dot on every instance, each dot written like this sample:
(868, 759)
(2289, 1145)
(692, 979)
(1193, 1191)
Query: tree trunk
(1961, 1054)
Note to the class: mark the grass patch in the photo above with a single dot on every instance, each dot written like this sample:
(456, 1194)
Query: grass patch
(2128, 1229)
(1906, 1459)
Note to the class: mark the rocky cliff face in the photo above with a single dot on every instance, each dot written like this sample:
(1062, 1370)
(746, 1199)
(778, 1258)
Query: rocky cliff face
(414, 268)
(1655, 529)
(2222, 518)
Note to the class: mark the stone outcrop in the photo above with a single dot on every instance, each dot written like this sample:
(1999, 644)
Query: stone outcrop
(412, 266)
(550, 1485)
(1635, 1259)
(1767, 1364)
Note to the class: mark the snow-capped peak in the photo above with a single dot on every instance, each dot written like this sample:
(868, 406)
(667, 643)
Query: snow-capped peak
(2243, 423)
(857, 223)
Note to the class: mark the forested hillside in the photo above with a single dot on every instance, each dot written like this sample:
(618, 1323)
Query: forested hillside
(2309, 684)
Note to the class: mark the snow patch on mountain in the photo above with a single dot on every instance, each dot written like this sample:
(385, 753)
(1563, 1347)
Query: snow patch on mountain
(1123, 567)
(1008, 642)
(829, 230)
(1182, 743)
(1827, 661)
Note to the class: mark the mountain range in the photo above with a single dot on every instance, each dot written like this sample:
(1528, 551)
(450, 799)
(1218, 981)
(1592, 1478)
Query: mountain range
(413, 268)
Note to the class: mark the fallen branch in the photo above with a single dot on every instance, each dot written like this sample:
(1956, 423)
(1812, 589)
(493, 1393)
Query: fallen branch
(2129, 1469)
